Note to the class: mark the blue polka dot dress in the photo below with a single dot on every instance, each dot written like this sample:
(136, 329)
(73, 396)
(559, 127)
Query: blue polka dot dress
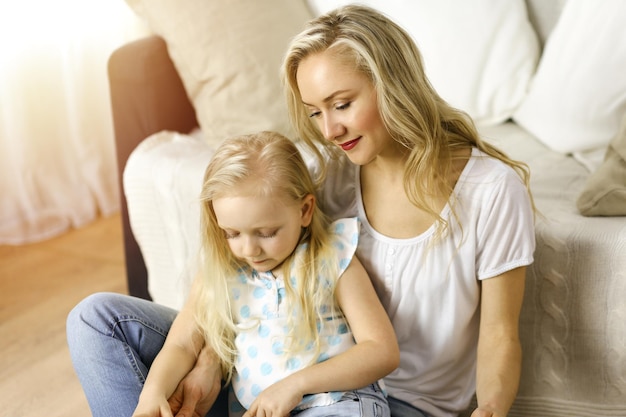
(261, 315)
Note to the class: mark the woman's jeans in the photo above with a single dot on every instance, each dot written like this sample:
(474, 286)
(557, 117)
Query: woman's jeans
(113, 340)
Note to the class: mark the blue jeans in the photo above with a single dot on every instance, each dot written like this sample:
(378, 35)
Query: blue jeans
(400, 408)
(113, 340)
(365, 402)
(369, 401)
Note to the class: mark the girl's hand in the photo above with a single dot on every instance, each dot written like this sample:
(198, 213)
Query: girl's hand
(277, 400)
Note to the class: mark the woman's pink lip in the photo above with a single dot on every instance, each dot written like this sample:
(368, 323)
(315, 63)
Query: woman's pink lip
(346, 146)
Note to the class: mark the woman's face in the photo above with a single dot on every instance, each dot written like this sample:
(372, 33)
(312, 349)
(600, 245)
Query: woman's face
(343, 103)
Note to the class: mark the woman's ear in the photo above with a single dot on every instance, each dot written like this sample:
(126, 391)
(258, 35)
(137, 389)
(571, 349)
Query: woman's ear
(307, 208)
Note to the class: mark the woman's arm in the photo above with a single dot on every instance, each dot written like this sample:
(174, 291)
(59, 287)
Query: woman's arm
(499, 350)
(177, 357)
(375, 354)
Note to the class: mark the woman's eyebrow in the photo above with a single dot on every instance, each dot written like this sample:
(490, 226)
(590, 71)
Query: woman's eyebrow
(329, 98)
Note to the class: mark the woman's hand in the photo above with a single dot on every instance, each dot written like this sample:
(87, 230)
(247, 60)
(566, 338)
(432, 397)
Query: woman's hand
(152, 406)
(193, 397)
(198, 390)
(277, 400)
(486, 412)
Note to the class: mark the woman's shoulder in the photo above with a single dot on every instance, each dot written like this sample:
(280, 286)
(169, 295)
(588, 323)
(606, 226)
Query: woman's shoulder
(483, 168)
(338, 195)
(489, 184)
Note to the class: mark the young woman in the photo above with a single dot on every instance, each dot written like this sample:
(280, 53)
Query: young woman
(289, 312)
(447, 219)
(447, 223)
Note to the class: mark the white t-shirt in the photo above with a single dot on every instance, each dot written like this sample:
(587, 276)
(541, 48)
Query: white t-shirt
(432, 297)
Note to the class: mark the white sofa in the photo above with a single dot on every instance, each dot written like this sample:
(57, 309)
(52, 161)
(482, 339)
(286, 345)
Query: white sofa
(543, 80)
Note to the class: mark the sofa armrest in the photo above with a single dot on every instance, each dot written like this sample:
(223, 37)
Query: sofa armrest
(147, 96)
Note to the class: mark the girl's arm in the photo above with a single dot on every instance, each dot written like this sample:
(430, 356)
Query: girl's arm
(177, 357)
(375, 354)
(499, 349)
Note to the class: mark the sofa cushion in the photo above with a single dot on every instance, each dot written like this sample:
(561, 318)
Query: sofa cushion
(605, 191)
(479, 55)
(162, 181)
(228, 55)
(578, 95)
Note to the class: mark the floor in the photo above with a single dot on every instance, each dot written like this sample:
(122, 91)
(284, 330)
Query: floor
(39, 284)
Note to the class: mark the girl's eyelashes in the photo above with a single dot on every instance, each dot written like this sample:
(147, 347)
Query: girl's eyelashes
(342, 106)
(264, 235)
(230, 235)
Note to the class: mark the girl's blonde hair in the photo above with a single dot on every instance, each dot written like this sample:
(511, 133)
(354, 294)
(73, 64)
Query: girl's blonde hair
(276, 168)
(412, 111)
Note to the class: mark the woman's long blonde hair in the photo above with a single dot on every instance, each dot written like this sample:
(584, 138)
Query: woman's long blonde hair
(277, 168)
(414, 114)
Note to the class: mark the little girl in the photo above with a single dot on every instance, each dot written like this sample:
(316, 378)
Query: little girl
(281, 300)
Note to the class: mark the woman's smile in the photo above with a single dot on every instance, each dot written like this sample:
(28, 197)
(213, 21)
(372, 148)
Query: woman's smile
(346, 146)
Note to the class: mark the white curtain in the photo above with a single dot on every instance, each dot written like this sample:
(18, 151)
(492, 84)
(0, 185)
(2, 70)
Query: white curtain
(57, 152)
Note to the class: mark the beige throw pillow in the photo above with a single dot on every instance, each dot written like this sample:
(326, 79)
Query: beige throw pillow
(605, 191)
(228, 55)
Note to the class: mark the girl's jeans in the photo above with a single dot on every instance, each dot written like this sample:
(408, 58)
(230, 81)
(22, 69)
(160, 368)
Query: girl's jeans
(113, 340)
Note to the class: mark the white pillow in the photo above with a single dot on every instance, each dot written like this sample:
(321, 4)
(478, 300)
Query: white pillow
(228, 55)
(578, 96)
(480, 55)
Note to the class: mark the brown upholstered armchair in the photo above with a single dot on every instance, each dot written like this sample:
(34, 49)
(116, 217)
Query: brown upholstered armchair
(147, 96)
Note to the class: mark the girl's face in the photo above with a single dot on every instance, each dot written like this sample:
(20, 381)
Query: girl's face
(342, 101)
(262, 231)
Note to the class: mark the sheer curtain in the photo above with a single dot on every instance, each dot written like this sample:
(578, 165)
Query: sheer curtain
(57, 154)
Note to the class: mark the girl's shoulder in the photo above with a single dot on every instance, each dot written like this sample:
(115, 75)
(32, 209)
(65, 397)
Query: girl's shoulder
(345, 228)
(344, 238)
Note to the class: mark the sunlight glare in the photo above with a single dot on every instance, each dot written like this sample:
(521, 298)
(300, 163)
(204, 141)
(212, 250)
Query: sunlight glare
(28, 25)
